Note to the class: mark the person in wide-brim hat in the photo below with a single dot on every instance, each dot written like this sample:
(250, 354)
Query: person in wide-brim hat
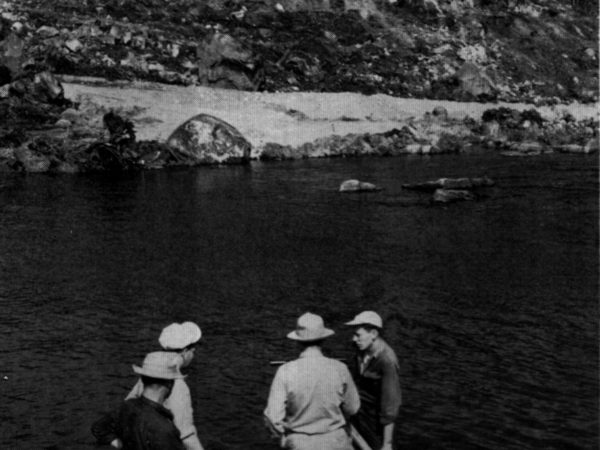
(161, 365)
(311, 396)
(309, 328)
(143, 422)
(180, 341)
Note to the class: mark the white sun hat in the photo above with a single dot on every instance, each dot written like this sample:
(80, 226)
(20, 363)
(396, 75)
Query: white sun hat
(367, 318)
(162, 365)
(310, 327)
(178, 336)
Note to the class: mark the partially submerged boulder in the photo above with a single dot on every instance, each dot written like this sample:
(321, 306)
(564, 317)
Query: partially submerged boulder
(451, 184)
(32, 161)
(206, 139)
(526, 148)
(452, 195)
(358, 186)
(592, 145)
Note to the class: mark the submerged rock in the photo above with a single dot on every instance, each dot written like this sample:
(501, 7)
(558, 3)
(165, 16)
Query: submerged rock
(206, 139)
(451, 184)
(452, 195)
(358, 186)
(592, 146)
(570, 148)
(528, 148)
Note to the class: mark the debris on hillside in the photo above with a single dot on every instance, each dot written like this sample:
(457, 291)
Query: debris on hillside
(540, 51)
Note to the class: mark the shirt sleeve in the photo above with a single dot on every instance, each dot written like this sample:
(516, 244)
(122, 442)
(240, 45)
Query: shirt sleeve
(276, 404)
(391, 396)
(180, 404)
(351, 399)
(104, 429)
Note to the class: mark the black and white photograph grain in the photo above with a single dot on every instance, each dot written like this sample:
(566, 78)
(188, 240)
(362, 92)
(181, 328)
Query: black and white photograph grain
(299, 225)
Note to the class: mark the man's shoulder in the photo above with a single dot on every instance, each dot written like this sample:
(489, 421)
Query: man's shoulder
(320, 361)
(147, 409)
(387, 355)
(180, 388)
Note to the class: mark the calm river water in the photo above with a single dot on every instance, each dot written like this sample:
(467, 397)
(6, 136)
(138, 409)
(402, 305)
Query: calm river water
(491, 305)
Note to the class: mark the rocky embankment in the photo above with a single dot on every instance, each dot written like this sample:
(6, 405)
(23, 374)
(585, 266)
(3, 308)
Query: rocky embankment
(534, 51)
(531, 60)
(94, 127)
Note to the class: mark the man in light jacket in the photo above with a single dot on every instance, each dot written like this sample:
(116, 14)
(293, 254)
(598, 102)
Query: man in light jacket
(311, 396)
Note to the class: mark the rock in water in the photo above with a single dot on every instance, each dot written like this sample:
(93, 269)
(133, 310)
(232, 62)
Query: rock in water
(206, 139)
(451, 184)
(592, 146)
(452, 195)
(358, 186)
(32, 161)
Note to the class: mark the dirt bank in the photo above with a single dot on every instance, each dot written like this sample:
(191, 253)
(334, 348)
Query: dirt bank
(283, 118)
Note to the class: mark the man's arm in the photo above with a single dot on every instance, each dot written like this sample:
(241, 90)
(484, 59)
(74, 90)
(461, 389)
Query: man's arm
(351, 399)
(192, 443)
(105, 429)
(388, 435)
(275, 410)
(180, 404)
(391, 399)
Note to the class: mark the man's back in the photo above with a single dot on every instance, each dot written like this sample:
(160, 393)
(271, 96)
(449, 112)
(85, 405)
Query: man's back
(145, 425)
(311, 394)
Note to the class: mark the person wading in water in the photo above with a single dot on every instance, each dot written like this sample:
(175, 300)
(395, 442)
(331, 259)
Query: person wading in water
(180, 339)
(377, 375)
(311, 396)
(143, 423)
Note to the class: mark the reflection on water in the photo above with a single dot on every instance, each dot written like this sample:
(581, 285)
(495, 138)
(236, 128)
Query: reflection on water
(491, 305)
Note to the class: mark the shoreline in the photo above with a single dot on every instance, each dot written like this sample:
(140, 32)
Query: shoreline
(286, 119)
(70, 125)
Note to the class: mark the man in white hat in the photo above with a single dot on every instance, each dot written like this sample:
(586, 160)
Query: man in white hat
(143, 423)
(377, 375)
(311, 396)
(180, 339)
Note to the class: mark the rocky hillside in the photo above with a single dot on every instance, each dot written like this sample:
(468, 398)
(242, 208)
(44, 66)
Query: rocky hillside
(542, 51)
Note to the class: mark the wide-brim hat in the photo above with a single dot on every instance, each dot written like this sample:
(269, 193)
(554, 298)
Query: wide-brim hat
(367, 318)
(310, 327)
(178, 336)
(162, 365)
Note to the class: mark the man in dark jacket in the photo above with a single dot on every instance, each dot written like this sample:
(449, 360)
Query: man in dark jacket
(376, 373)
(143, 423)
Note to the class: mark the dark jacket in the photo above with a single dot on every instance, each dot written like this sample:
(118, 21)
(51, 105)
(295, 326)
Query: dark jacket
(380, 395)
(140, 424)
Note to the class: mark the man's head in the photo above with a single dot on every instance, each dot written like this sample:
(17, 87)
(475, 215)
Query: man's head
(181, 338)
(159, 371)
(158, 383)
(367, 329)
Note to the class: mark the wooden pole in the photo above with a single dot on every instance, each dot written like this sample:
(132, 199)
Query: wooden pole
(281, 362)
(358, 440)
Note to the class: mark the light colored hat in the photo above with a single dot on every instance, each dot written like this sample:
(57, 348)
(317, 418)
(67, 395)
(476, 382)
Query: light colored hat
(178, 336)
(367, 318)
(163, 365)
(310, 327)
